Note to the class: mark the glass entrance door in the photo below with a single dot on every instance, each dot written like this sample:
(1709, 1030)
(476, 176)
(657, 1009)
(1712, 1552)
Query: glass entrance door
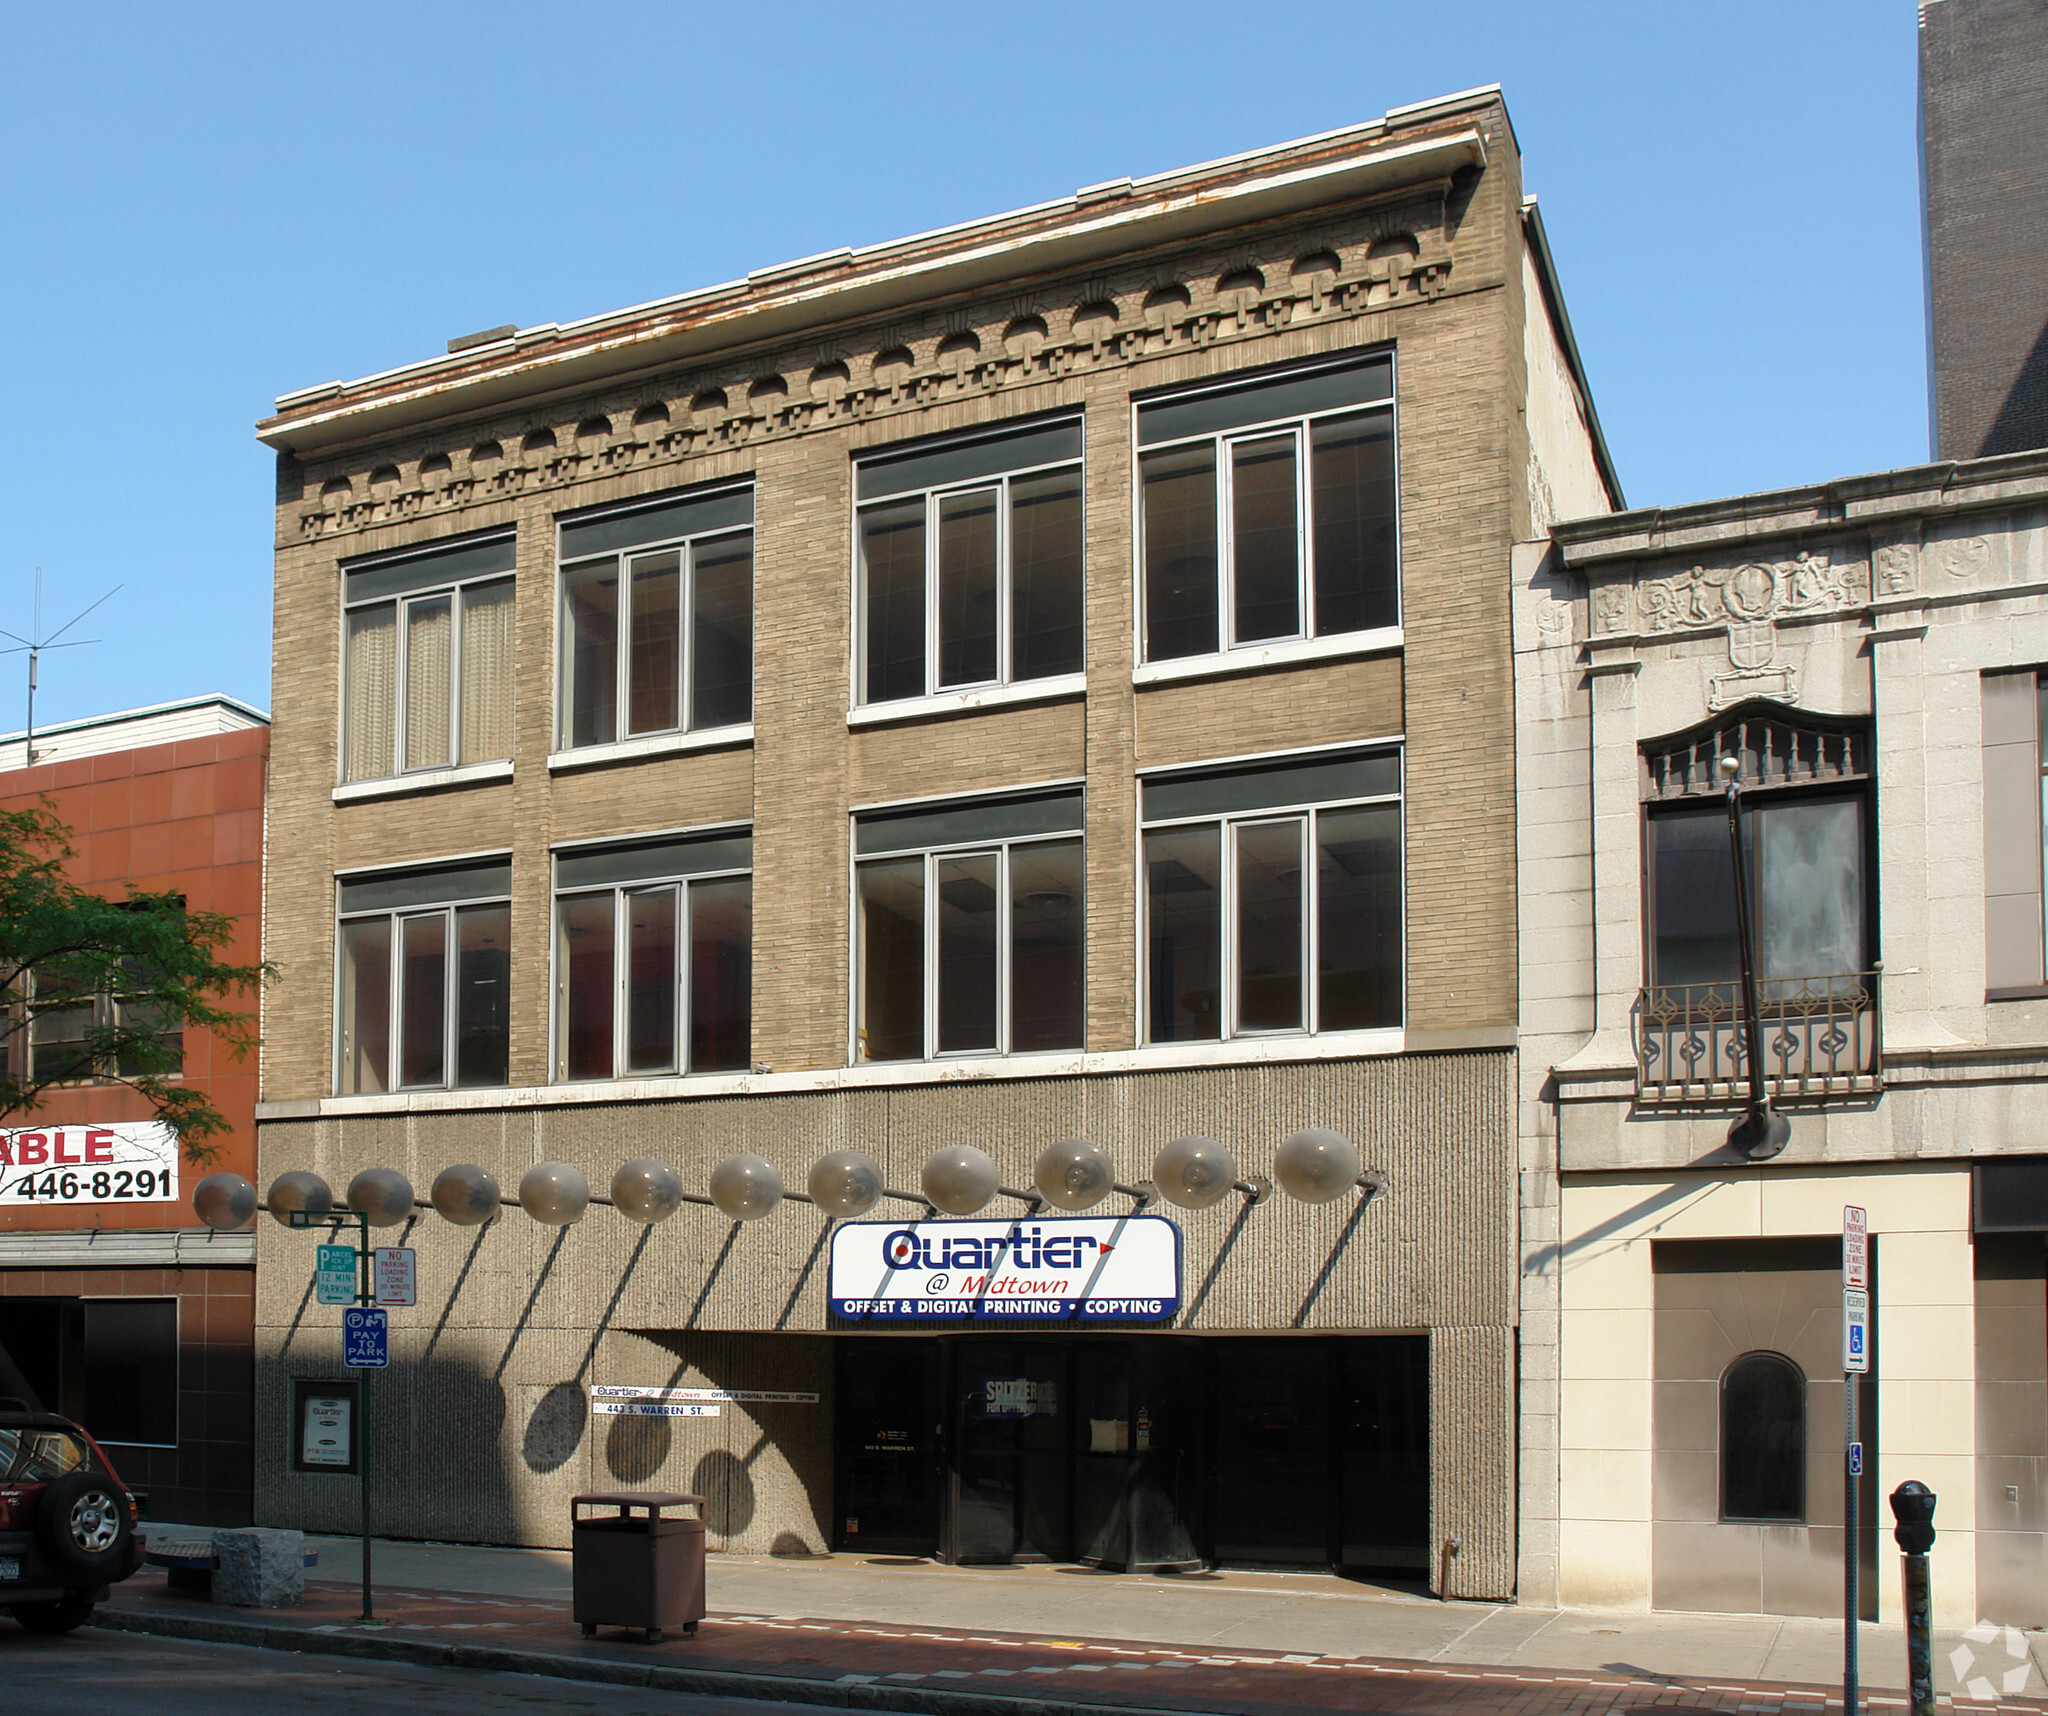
(1008, 1419)
(887, 1435)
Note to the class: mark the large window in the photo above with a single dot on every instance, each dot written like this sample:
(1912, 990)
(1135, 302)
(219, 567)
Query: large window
(56, 1028)
(657, 628)
(425, 968)
(1269, 510)
(970, 564)
(1273, 897)
(427, 659)
(968, 939)
(1805, 811)
(1763, 1439)
(654, 946)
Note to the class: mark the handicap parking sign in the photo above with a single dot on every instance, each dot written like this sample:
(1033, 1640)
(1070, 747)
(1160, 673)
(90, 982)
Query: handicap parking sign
(365, 1338)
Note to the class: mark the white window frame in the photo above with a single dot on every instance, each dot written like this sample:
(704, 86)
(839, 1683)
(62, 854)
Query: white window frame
(685, 547)
(558, 1007)
(1005, 602)
(1306, 812)
(450, 1019)
(456, 591)
(1005, 951)
(1301, 426)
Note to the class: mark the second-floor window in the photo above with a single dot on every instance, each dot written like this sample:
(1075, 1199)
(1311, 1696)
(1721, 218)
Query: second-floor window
(1273, 897)
(654, 948)
(427, 659)
(657, 626)
(67, 1018)
(2015, 760)
(423, 992)
(1268, 510)
(968, 928)
(970, 564)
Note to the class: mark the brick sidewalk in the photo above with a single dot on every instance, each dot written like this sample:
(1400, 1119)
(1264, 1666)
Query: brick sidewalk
(802, 1660)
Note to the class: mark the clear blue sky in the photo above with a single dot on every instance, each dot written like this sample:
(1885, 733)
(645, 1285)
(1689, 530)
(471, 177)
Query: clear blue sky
(207, 205)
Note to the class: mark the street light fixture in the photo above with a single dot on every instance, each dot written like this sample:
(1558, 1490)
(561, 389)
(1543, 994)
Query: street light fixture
(1759, 1133)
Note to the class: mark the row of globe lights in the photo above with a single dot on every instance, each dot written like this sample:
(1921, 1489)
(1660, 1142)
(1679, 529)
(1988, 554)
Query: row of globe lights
(1314, 1166)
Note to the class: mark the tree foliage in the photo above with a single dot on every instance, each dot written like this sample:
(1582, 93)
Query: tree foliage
(118, 981)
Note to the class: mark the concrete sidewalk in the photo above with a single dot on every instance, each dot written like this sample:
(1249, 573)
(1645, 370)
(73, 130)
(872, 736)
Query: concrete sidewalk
(1301, 1614)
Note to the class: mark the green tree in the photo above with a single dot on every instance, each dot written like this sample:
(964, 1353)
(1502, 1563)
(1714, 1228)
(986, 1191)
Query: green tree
(92, 988)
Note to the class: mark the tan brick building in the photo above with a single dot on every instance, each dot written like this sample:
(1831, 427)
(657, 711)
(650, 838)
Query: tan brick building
(1039, 680)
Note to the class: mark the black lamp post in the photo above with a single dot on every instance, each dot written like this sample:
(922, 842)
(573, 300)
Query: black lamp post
(1759, 1133)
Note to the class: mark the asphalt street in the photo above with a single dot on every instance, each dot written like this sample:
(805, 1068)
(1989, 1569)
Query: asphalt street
(94, 1673)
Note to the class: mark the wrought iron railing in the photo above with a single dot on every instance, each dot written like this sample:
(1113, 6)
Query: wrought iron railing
(1821, 1038)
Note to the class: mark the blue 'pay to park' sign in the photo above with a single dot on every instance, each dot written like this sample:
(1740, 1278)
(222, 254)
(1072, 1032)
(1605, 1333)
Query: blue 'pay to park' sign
(1091, 1269)
(365, 1338)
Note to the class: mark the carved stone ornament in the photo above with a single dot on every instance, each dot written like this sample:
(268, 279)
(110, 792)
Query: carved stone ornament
(1898, 569)
(1966, 558)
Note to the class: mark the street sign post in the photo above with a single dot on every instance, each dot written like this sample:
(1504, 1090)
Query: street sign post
(342, 1275)
(1855, 1363)
(394, 1270)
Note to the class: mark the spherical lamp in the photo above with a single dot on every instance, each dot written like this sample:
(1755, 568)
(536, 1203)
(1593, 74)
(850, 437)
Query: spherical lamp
(226, 1202)
(298, 1190)
(1316, 1165)
(647, 1191)
(554, 1193)
(1072, 1175)
(845, 1183)
(1194, 1172)
(466, 1195)
(746, 1187)
(960, 1180)
(384, 1196)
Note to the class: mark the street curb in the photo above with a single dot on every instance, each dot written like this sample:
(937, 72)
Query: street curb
(701, 1682)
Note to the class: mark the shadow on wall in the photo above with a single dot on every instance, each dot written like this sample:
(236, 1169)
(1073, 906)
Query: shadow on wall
(2022, 420)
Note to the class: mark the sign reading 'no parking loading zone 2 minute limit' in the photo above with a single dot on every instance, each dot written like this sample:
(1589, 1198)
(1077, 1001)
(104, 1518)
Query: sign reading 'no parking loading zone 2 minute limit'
(1098, 1269)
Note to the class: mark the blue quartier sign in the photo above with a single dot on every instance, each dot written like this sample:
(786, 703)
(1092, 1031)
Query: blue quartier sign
(1090, 1269)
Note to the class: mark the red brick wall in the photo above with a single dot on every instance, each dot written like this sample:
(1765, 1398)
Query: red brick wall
(183, 818)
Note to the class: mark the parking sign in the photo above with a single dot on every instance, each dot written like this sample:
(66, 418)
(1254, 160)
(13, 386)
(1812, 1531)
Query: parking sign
(365, 1338)
(334, 1275)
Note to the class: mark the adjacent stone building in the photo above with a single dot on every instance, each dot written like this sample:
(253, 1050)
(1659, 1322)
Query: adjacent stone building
(1044, 679)
(1873, 651)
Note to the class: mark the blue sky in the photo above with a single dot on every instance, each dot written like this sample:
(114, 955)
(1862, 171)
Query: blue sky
(212, 204)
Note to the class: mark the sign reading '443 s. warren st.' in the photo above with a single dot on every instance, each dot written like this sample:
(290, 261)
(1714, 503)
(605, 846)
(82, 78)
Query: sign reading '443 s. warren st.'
(120, 1162)
(1035, 1269)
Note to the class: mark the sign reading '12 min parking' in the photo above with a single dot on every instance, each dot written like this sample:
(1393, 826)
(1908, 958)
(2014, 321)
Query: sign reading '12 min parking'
(121, 1162)
(1100, 1269)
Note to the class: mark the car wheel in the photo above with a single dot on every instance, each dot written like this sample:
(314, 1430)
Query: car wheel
(59, 1615)
(82, 1522)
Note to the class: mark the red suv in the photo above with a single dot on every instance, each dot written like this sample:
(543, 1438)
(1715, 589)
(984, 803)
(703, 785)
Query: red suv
(67, 1522)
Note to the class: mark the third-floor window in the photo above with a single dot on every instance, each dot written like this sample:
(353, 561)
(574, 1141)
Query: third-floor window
(970, 564)
(657, 627)
(1267, 510)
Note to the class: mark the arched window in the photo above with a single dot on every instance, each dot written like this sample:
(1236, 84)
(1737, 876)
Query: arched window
(1763, 1439)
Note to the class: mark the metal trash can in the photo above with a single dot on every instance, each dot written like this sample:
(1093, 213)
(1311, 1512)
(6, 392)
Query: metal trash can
(634, 1568)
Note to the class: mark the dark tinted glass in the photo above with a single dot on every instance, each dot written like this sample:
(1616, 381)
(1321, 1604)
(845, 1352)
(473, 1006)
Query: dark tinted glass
(1324, 779)
(1351, 478)
(1180, 553)
(1045, 575)
(970, 921)
(891, 1021)
(721, 974)
(483, 1006)
(655, 671)
(607, 532)
(892, 598)
(131, 1370)
(653, 861)
(968, 617)
(960, 823)
(2012, 1197)
(1045, 946)
(395, 575)
(963, 462)
(585, 970)
(1265, 540)
(1692, 904)
(1358, 927)
(722, 632)
(1763, 1438)
(1273, 401)
(1184, 935)
(442, 887)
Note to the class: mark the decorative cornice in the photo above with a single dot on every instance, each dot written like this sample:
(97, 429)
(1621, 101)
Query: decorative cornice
(1379, 259)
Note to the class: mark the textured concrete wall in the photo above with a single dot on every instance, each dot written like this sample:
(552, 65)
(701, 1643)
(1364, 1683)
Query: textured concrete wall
(517, 1321)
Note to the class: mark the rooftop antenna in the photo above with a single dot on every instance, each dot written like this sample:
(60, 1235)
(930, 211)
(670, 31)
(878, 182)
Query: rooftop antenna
(37, 644)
